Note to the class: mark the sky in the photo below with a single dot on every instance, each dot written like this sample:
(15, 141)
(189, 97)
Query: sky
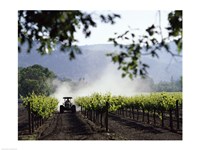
(135, 21)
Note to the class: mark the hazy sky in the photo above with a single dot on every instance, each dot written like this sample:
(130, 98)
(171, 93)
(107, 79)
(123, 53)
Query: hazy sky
(137, 21)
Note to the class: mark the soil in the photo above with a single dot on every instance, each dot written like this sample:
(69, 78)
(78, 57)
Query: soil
(69, 126)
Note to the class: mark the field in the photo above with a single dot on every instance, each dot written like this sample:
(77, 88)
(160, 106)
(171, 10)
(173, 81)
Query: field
(86, 125)
(69, 126)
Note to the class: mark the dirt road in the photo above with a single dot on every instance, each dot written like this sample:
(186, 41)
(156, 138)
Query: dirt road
(69, 126)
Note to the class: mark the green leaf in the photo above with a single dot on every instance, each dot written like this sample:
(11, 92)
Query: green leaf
(130, 76)
(123, 75)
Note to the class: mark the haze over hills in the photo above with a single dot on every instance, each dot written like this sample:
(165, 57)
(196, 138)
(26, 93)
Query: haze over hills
(93, 62)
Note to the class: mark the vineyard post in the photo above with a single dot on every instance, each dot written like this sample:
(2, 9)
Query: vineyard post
(97, 116)
(137, 114)
(87, 114)
(36, 121)
(162, 118)
(91, 115)
(143, 114)
(32, 121)
(101, 118)
(92, 112)
(29, 117)
(154, 116)
(177, 114)
(133, 112)
(106, 118)
(94, 115)
(170, 119)
(40, 121)
(148, 116)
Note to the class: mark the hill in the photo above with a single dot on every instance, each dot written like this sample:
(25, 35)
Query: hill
(93, 62)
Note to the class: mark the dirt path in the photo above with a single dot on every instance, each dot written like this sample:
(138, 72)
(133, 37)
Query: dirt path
(132, 130)
(68, 126)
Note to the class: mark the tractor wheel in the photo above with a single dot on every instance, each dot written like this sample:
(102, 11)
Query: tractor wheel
(73, 109)
(61, 109)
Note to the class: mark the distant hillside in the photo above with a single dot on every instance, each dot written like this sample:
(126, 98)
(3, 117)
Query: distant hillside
(93, 61)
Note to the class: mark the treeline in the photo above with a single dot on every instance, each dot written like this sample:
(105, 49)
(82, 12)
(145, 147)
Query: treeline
(148, 85)
(170, 86)
(39, 80)
(35, 79)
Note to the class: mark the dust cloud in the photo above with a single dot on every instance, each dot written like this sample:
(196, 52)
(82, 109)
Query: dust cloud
(109, 80)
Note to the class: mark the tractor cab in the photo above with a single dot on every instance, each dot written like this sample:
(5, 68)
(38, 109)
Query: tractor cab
(67, 105)
(67, 102)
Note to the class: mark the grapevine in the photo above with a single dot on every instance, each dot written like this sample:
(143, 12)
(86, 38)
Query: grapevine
(159, 101)
(41, 105)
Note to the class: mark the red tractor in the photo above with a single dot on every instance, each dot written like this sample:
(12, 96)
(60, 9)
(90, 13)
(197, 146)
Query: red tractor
(67, 105)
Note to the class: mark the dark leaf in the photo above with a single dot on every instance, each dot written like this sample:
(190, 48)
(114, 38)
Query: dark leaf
(166, 46)
(126, 32)
(110, 39)
(71, 55)
(179, 46)
(145, 65)
(123, 75)
(121, 46)
(130, 76)
(153, 53)
(125, 69)
(117, 16)
(115, 58)
(87, 34)
(126, 38)
(133, 35)
(19, 49)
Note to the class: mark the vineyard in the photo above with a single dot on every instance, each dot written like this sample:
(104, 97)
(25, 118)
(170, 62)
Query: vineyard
(39, 108)
(163, 107)
(103, 117)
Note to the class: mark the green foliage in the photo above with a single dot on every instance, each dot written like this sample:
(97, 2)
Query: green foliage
(52, 27)
(175, 28)
(158, 101)
(35, 79)
(130, 60)
(41, 105)
(94, 102)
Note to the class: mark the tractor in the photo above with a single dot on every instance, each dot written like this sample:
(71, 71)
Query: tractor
(67, 105)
